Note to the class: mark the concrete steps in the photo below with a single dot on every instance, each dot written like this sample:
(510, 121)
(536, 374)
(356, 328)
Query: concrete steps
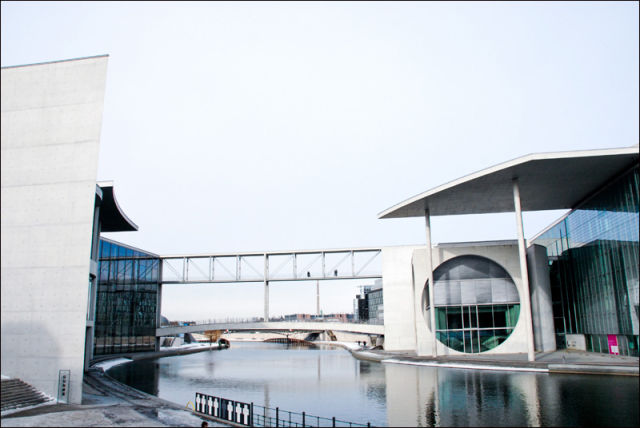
(16, 394)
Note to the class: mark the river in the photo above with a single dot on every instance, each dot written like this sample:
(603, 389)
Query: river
(328, 382)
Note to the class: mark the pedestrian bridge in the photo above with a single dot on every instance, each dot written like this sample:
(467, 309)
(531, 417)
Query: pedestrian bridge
(274, 326)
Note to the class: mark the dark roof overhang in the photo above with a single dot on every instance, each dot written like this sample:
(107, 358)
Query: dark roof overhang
(112, 218)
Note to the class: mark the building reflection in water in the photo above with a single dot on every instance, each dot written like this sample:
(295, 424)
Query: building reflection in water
(143, 374)
(425, 396)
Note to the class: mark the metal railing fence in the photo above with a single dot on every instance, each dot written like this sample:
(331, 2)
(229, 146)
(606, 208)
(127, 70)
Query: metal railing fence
(250, 414)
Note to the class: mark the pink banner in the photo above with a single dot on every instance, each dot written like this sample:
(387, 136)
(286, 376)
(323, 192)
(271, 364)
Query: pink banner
(613, 344)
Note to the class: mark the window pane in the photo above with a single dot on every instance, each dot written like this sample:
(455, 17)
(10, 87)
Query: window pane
(454, 318)
(456, 340)
(513, 312)
(473, 315)
(487, 340)
(441, 319)
(485, 317)
(499, 316)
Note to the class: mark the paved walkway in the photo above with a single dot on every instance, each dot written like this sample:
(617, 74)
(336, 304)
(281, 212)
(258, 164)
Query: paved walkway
(106, 403)
(563, 361)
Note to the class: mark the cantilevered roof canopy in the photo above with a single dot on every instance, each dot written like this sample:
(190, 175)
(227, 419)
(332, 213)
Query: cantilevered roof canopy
(547, 181)
(113, 219)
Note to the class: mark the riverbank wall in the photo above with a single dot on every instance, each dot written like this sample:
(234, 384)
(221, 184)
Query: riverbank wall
(564, 361)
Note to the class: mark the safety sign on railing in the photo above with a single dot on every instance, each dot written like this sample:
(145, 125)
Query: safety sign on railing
(230, 410)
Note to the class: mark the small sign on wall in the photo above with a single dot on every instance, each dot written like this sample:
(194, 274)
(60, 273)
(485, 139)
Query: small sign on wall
(64, 381)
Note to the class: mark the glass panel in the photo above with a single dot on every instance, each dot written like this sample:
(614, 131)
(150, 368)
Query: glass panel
(467, 341)
(487, 340)
(501, 335)
(126, 304)
(454, 318)
(594, 264)
(456, 340)
(443, 337)
(513, 312)
(473, 316)
(441, 319)
(499, 316)
(485, 317)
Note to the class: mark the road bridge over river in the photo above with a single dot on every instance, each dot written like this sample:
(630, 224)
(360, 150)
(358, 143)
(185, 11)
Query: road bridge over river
(274, 326)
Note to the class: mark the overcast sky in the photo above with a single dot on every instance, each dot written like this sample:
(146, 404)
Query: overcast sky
(280, 126)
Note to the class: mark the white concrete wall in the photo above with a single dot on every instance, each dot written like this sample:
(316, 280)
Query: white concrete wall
(51, 121)
(398, 294)
(404, 272)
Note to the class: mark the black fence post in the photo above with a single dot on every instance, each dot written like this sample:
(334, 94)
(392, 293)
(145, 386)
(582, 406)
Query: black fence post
(368, 424)
(333, 421)
(277, 416)
(303, 417)
(251, 414)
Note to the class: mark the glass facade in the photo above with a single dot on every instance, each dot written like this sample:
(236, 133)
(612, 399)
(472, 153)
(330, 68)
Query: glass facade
(593, 256)
(375, 305)
(128, 282)
(476, 303)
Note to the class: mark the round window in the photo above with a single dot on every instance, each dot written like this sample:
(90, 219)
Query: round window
(476, 304)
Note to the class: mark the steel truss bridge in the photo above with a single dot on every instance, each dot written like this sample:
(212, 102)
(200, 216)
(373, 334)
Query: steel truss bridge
(303, 265)
(270, 266)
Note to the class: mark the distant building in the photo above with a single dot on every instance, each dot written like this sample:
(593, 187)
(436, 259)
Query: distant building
(369, 304)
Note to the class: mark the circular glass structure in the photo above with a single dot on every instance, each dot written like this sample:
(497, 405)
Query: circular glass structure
(476, 304)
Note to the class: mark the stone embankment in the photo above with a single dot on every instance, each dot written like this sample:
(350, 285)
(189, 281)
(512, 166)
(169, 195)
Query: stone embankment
(563, 361)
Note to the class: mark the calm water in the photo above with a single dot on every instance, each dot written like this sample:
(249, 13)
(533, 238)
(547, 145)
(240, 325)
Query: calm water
(330, 382)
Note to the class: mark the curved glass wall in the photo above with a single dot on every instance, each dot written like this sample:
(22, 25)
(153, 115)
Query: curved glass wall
(476, 303)
(127, 299)
(593, 256)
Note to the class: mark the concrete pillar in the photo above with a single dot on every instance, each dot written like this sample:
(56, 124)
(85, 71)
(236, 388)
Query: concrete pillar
(159, 308)
(159, 304)
(266, 301)
(524, 274)
(432, 310)
(317, 298)
(541, 301)
(266, 288)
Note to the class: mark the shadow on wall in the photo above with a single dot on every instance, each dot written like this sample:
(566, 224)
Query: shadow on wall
(31, 352)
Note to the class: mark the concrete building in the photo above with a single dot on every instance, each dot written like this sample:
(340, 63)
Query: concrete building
(52, 214)
(476, 299)
(588, 305)
(65, 293)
